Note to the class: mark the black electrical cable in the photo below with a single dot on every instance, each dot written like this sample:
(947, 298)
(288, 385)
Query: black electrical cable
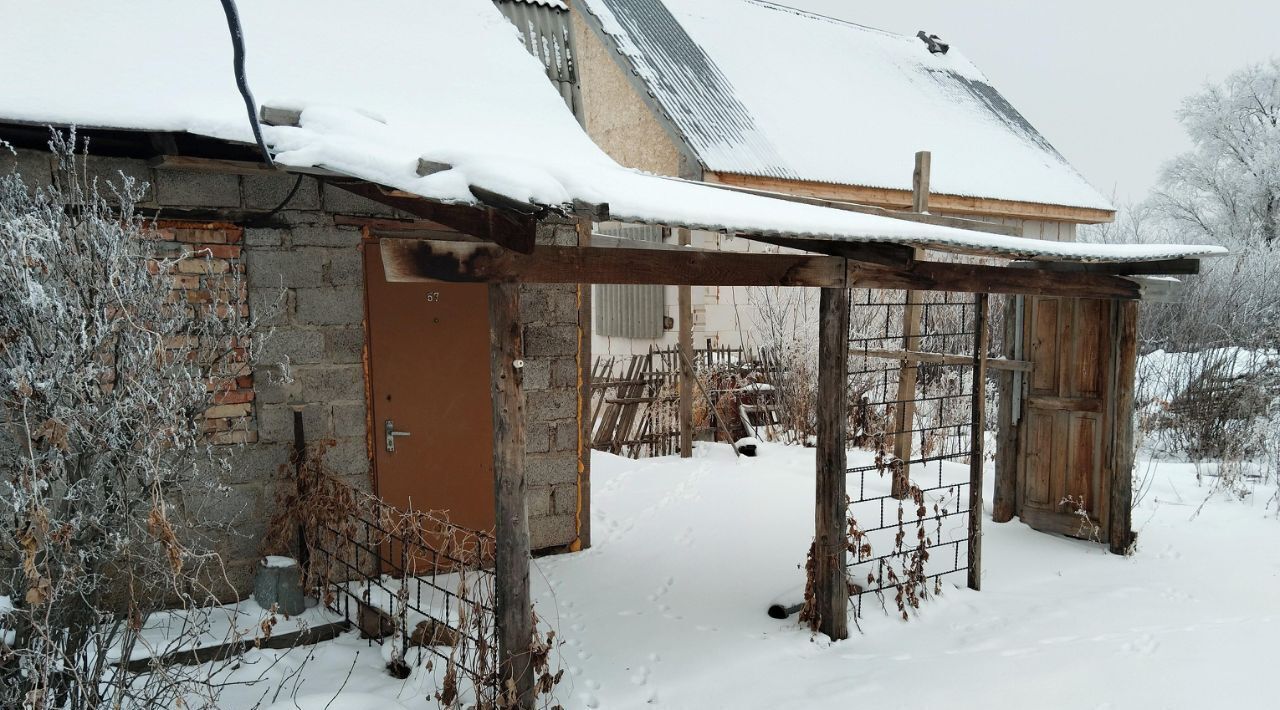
(237, 43)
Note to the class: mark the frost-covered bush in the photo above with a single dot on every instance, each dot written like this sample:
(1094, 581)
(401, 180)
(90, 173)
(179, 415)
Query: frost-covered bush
(105, 372)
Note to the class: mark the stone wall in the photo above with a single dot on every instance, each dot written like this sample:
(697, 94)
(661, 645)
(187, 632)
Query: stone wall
(304, 272)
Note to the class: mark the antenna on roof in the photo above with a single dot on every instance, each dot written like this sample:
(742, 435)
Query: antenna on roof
(936, 45)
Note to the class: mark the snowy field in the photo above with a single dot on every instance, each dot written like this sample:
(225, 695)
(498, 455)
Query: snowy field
(667, 609)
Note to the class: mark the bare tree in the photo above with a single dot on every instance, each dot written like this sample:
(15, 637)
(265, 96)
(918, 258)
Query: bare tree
(105, 372)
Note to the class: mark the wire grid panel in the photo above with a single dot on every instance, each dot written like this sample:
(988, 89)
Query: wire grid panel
(908, 515)
(433, 592)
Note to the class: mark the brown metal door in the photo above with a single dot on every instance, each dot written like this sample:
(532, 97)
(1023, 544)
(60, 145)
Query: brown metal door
(1063, 469)
(429, 375)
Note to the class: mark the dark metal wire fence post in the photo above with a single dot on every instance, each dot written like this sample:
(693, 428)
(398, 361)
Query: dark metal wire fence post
(977, 431)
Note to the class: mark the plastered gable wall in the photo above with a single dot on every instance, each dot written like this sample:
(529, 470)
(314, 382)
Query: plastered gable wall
(306, 269)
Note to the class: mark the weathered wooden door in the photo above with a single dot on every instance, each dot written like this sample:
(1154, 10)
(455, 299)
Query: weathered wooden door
(1064, 471)
(429, 376)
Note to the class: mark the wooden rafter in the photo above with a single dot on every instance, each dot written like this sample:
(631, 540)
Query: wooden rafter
(432, 260)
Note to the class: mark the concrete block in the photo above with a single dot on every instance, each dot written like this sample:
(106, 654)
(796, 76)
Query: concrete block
(331, 383)
(115, 172)
(567, 435)
(182, 188)
(538, 500)
(271, 305)
(342, 202)
(266, 191)
(278, 584)
(349, 419)
(343, 345)
(550, 340)
(537, 374)
(35, 166)
(296, 268)
(348, 456)
(264, 236)
(551, 404)
(325, 235)
(301, 347)
(259, 462)
(270, 391)
(346, 267)
(275, 423)
(337, 305)
(545, 470)
(551, 531)
(537, 439)
(564, 499)
(564, 372)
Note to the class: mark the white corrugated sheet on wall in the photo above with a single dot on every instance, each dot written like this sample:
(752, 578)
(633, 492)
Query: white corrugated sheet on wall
(629, 311)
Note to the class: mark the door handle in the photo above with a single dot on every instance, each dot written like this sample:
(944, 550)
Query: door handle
(390, 429)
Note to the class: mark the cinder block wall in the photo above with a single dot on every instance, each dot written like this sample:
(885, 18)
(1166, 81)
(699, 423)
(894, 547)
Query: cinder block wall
(306, 271)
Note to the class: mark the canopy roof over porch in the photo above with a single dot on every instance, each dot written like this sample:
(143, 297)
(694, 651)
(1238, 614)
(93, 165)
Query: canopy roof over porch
(381, 88)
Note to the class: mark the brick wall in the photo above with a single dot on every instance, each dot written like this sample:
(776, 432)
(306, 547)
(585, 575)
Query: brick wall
(304, 269)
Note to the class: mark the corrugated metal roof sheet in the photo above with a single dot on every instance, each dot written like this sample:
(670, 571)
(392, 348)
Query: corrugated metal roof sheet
(762, 89)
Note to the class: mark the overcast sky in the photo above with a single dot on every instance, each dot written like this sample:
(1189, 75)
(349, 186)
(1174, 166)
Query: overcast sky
(1101, 79)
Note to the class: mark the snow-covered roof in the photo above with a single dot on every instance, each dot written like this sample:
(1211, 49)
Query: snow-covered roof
(760, 89)
(383, 83)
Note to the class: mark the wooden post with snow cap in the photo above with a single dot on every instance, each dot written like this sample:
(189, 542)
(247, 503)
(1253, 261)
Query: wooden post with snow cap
(905, 413)
(830, 544)
(977, 439)
(513, 606)
(684, 300)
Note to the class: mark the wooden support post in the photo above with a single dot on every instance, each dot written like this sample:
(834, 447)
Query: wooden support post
(831, 590)
(905, 419)
(978, 430)
(1002, 503)
(513, 607)
(684, 298)
(1125, 350)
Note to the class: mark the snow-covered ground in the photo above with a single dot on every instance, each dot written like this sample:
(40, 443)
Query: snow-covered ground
(667, 609)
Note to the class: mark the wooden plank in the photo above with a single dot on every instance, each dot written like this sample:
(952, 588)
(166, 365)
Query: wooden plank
(417, 260)
(308, 636)
(513, 605)
(1092, 405)
(276, 116)
(831, 589)
(1166, 267)
(977, 439)
(920, 182)
(430, 260)
(515, 232)
(1002, 505)
(684, 321)
(899, 199)
(1002, 364)
(1125, 353)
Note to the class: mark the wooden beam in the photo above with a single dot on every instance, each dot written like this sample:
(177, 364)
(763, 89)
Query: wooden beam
(684, 321)
(433, 260)
(939, 220)
(1166, 267)
(1125, 362)
(895, 255)
(513, 604)
(911, 312)
(981, 278)
(830, 545)
(421, 260)
(977, 440)
(1002, 364)
(515, 232)
(898, 199)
